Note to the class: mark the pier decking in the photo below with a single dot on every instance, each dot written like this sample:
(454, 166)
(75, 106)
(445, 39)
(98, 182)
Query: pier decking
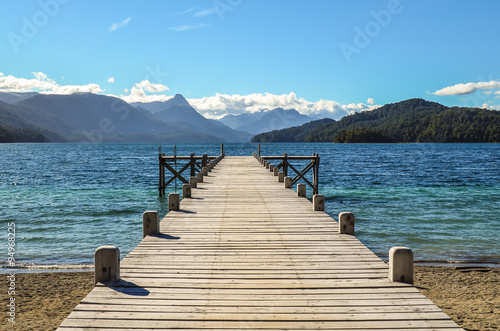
(244, 253)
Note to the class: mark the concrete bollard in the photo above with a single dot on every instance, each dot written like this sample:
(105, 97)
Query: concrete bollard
(276, 171)
(193, 182)
(288, 182)
(204, 171)
(106, 264)
(199, 177)
(281, 177)
(186, 191)
(401, 265)
(318, 202)
(346, 223)
(271, 168)
(209, 167)
(150, 223)
(267, 165)
(173, 201)
(301, 190)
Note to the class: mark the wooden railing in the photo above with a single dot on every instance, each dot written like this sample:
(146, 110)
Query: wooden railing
(195, 164)
(284, 166)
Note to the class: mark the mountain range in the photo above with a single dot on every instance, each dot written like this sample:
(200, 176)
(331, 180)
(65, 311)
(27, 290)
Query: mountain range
(87, 117)
(263, 121)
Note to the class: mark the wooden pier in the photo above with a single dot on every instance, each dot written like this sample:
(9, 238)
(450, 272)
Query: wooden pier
(244, 253)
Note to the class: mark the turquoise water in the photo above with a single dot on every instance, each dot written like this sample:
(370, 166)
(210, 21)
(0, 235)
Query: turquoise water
(441, 200)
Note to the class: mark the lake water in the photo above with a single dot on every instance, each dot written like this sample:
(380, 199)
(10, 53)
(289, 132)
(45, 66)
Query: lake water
(441, 200)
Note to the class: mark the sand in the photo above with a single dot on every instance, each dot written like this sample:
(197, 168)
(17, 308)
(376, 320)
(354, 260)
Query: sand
(470, 297)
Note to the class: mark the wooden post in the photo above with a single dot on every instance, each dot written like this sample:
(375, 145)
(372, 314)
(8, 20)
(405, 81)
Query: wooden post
(204, 171)
(150, 223)
(160, 183)
(186, 191)
(271, 168)
(204, 161)
(192, 162)
(316, 174)
(199, 177)
(285, 164)
(106, 264)
(301, 190)
(173, 201)
(346, 223)
(193, 182)
(401, 265)
(267, 165)
(258, 148)
(221, 149)
(276, 171)
(318, 202)
(281, 177)
(288, 182)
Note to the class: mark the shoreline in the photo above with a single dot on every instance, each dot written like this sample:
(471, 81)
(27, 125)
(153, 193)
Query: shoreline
(83, 267)
(468, 295)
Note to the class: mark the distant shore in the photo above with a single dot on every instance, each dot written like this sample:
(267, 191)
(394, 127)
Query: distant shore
(468, 295)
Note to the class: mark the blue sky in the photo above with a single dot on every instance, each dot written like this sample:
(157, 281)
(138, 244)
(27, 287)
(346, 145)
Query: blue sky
(229, 56)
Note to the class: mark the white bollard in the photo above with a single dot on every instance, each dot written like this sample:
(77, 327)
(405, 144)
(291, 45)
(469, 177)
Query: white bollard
(318, 202)
(199, 177)
(346, 223)
(150, 223)
(301, 190)
(106, 264)
(288, 182)
(401, 265)
(193, 182)
(186, 191)
(173, 201)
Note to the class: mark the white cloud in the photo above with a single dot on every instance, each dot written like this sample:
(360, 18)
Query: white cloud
(205, 12)
(41, 83)
(186, 11)
(119, 25)
(222, 104)
(189, 27)
(150, 87)
(370, 101)
(138, 92)
(111, 79)
(468, 88)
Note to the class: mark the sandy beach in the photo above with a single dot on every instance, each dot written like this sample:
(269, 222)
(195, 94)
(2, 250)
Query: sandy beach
(469, 296)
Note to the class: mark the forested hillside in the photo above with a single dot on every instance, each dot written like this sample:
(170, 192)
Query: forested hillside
(293, 134)
(414, 120)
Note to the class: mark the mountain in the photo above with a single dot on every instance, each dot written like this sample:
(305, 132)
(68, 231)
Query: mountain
(177, 111)
(236, 121)
(413, 120)
(13, 97)
(14, 128)
(87, 117)
(293, 134)
(263, 121)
